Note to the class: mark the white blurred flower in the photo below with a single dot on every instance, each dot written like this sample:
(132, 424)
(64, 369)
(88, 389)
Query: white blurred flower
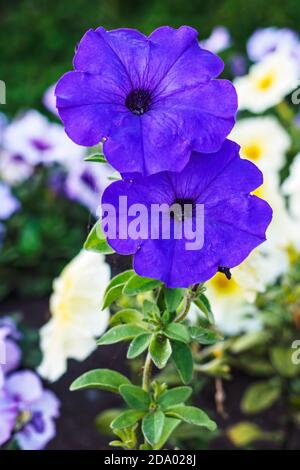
(218, 41)
(77, 318)
(291, 187)
(263, 141)
(280, 230)
(267, 82)
(266, 40)
(230, 304)
(49, 100)
(38, 140)
(14, 169)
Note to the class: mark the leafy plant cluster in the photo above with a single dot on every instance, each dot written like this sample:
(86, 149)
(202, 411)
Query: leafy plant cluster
(158, 331)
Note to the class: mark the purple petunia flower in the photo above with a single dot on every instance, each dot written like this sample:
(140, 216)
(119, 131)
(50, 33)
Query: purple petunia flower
(235, 221)
(266, 40)
(85, 183)
(28, 410)
(153, 99)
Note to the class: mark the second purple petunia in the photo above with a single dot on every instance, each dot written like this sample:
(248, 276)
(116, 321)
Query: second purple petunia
(154, 99)
(230, 222)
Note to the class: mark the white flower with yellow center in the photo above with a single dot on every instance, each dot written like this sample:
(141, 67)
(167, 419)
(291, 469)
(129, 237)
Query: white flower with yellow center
(263, 141)
(267, 82)
(230, 304)
(77, 318)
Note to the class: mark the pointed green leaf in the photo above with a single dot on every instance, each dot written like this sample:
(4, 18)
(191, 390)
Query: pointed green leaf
(192, 415)
(104, 379)
(139, 345)
(203, 335)
(178, 332)
(160, 350)
(137, 284)
(112, 295)
(173, 297)
(183, 361)
(203, 304)
(127, 315)
(96, 157)
(152, 426)
(96, 240)
(135, 397)
(170, 425)
(175, 396)
(121, 278)
(127, 419)
(120, 333)
(260, 396)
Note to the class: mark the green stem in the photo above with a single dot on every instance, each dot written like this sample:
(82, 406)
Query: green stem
(191, 293)
(147, 372)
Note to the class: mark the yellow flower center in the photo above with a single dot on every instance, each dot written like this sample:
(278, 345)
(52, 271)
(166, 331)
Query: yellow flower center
(222, 285)
(252, 151)
(264, 83)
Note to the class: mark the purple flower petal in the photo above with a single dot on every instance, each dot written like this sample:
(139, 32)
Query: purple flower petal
(13, 356)
(8, 414)
(24, 386)
(234, 221)
(36, 437)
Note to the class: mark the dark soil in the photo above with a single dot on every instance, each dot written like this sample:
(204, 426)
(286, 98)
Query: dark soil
(75, 427)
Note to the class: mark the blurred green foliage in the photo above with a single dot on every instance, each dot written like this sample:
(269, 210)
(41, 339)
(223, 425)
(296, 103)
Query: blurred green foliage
(38, 37)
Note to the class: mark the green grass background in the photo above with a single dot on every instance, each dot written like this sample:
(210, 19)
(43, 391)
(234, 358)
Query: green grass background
(37, 37)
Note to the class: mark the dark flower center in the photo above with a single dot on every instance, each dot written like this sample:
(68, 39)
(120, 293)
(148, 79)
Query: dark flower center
(89, 180)
(138, 101)
(186, 208)
(40, 145)
(37, 421)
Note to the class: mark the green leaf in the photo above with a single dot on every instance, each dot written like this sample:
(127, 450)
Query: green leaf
(178, 332)
(281, 359)
(170, 425)
(150, 309)
(120, 333)
(160, 350)
(96, 240)
(104, 419)
(173, 298)
(249, 341)
(135, 397)
(260, 396)
(152, 426)
(127, 315)
(127, 419)
(121, 278)
(137, 284)
(192, 415)
(203, 335)
(183, 361)
(175, 396)
(203, 304)
(104, 379)
(245, 433)
(138, 345)
(112, 295)
(96, 157)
